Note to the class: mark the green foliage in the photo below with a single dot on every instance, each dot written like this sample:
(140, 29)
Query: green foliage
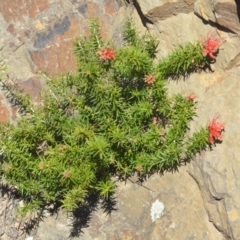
(15, 94)
(184, 60)
(112, 117)
(131, 64)
(147, 42)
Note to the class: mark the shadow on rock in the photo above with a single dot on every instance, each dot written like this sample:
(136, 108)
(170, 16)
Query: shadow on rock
(238, 8)
(81, 216)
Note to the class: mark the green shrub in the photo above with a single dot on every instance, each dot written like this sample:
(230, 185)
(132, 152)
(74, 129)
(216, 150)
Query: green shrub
(186, 59)
(111, 117)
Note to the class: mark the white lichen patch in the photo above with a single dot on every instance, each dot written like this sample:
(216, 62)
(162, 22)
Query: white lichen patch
(156, 210)
(29, 238)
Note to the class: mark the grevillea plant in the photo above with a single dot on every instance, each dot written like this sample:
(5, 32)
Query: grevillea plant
(190, 57)
(112, 117)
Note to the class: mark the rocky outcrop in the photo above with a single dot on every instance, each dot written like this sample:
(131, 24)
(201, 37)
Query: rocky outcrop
(37, 37)
(225, 16)
(160, 10)
(46, 29)
(201, 201)
(223, 13)
(129, 215)
(214, 172)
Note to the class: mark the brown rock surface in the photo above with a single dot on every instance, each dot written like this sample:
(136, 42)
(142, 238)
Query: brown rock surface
(169, 9)
(183, 217)
(47, 29)
(225, 13)
(216, 172)
(37, 36)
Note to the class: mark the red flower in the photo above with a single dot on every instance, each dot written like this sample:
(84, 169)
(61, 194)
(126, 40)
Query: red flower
(106, 54)
(211, 45)
(215, 128)
(149, 79)
(191, 97)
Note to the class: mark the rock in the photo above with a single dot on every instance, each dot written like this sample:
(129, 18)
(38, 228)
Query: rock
(227, 15)
(46, 29)
(183, 209)
(204, 10)
(175, 26)
(215, 171)
(224, 13)
(171, 37)
(160, 10)
(212, 171)
(37, 36)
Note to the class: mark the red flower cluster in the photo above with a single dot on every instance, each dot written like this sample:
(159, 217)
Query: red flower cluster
(106, 54)
(150, 79)
(215, 128)
(211, 45)
(191, 97)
